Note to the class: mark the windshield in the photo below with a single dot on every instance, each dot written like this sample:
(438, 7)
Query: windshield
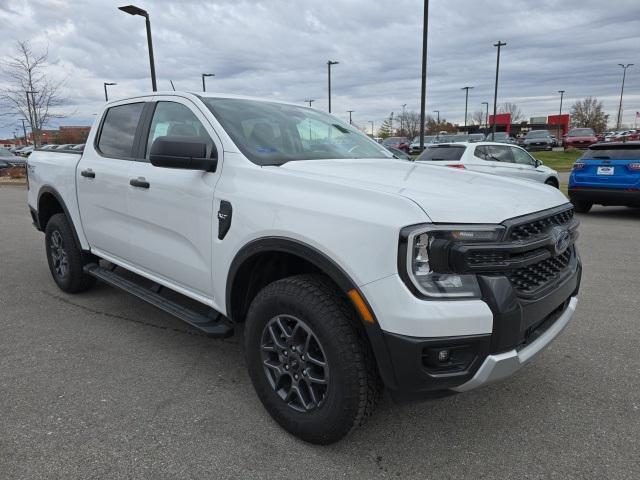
(273, 133)
(452, 138)
(476, 136)
(581, 132)
(427, 139)
(538, 134)
(394, 140)
(498, 135)
(442, 152)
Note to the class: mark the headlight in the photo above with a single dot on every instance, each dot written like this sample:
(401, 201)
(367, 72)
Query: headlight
(427, 258)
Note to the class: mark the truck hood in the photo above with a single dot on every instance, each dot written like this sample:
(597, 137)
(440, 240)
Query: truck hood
(446, 195)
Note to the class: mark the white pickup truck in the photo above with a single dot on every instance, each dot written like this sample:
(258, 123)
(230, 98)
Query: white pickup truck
(349, 270)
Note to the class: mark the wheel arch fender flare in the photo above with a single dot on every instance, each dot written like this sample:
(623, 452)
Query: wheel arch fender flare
(328, 267)
(47, 189)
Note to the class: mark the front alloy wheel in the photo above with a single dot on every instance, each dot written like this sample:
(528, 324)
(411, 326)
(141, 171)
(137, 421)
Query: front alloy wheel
(294, 363)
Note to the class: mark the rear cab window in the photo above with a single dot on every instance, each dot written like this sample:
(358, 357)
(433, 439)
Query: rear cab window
(118, 131)
(442, 153)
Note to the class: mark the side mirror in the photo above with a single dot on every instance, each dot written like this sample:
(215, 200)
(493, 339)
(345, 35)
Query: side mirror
(187, 153)
(538, 163)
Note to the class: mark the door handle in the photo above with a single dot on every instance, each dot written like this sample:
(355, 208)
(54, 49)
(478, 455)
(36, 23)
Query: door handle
(139, 182)
(88, 173)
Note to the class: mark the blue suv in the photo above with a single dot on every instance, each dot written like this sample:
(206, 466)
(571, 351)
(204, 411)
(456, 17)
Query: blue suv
(607, 174)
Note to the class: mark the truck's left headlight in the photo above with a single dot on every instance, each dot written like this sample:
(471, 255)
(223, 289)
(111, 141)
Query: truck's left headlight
(427, 258)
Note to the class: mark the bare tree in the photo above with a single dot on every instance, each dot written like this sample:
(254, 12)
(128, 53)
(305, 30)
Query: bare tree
(513, 109)
(410, 122)
(30, 93)
(589, 113)
(478, 117)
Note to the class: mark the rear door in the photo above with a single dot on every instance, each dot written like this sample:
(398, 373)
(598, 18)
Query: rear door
(102, 181)
(173, 218)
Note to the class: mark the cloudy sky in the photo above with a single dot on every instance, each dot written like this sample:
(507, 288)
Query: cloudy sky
(279, 49)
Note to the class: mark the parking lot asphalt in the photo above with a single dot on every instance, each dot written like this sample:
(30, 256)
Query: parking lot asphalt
(102, 385)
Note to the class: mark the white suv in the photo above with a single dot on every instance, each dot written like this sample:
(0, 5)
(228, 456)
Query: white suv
(490, 157)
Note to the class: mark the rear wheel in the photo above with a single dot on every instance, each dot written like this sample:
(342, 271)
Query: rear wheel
(309, 362)
(581, 206)
(66, 260)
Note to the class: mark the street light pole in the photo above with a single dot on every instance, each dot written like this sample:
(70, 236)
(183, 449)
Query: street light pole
(350, 112)
(106, 95)
(371, 122)
(437, 112)
(423, 86)
(404, 105)
(329, 63)
(310, 101)
(204, 86)
(561, 92)
(486, 118)
(133, 10)
(466, 103)
(495, 93)
(624, 74)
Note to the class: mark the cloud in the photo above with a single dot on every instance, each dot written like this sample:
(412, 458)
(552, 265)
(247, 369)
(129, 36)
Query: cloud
(279, 49)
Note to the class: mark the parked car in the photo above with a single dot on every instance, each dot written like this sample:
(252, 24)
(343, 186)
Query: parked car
(49, 146)
(6, 154)
(579, 138)
(25, 151)
(476, 137)
(537, 140)
(414, 148)
(501, 137)
(451, 138)
(400, 154)
(63, 146)
(347, 268)
(606, 174)
(490, 157)
(401, 143)
(79, 147)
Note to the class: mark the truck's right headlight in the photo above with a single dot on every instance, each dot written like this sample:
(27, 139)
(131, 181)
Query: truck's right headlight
(427, 258)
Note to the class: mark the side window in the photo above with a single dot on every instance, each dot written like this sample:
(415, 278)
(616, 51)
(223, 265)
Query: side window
(522, 157)
(500, 153)
(171, 119)
(119, 130)
(482, 152)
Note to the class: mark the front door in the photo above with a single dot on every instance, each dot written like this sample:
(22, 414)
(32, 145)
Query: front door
(172, 214)
(103, 182)
(527, 165)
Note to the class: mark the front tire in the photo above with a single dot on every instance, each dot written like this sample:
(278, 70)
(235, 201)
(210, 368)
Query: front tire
(66, 260)
(552, 182)
(308, 359)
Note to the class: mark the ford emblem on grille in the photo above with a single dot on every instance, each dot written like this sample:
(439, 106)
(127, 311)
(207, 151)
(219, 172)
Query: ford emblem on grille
(561, 239)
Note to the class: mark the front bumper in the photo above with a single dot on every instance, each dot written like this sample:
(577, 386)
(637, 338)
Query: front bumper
(502, 365)
(479, 353)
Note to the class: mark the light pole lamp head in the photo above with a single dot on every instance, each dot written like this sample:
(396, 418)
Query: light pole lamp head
(133, 10)
(208, 74)
(110, 83)
(332, 62)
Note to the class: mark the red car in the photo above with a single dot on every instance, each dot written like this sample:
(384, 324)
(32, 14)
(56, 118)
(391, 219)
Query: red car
(401, 143)
(579, 138)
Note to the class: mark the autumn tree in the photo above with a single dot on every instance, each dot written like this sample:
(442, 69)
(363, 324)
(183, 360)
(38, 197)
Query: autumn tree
(513, 109)
(589, 113)
(409, 124)
(30, 94)
(386, 129)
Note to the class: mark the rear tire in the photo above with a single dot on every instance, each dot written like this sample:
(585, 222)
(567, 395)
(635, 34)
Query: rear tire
(66, 260)
(581, 206)
(279, 354)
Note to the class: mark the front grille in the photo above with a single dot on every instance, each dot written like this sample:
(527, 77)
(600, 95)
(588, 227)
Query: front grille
(528, 280)
(538, 226)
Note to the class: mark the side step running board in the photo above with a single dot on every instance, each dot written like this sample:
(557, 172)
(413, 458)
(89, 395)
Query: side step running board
(214, 326)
